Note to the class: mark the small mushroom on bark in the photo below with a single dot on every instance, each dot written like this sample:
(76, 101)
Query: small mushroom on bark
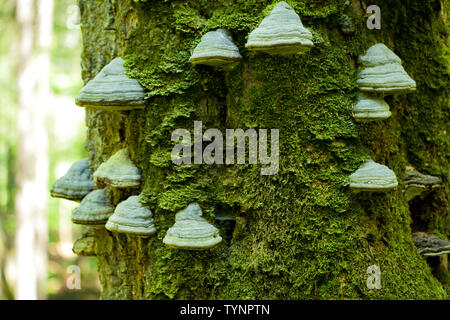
(131, 217)
(372, 176)
(281, 32)
(94, 209)
(417, 183)
(118, 171)
(75, 184)
(216, 49)
(191, 231)
(430, 245)
(112, 90)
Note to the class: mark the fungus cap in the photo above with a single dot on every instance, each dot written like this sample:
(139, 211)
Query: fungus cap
(281, 32)
(112, 89)
(75, 184)
(216, 49)
(191, 231)
(130, 216)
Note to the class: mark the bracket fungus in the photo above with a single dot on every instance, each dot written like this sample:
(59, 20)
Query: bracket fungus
(370, 107)
(281, 32)
(216, 49)
(75, 184)
(430, 245)
(383, 72)
(417, 183)
(112, 90)
(118, 171)
(85, 245)
(130, 216)
(372, 176)
(94, 209)
(191, 231)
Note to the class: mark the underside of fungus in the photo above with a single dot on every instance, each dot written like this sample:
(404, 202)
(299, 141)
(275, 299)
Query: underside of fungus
(216, 49)
(75, 184)
(118, 171)
(383, 72)
(94, 209)
(131, 217)
(112, 90)
(372, 176)
(191, 231)
(281, 32)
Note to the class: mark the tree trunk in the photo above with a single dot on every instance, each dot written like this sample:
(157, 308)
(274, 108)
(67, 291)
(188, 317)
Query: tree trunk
(298, 234)
(32, 175)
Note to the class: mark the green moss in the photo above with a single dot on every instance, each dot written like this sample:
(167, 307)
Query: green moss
(300, 234)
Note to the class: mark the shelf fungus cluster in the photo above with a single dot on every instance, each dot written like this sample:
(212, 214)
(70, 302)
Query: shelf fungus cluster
(372, 176)
(191, 231)
(429, 245)
(112, 90)
(75, 184)
(94, 209)
(281, 32)
(382, 74)
(216, 49)
(418, 184)
(131, 217)
(118, 171)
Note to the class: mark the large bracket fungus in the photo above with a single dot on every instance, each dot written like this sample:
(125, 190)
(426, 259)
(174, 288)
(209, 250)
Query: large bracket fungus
(372, 176)
(131, 217)
(216, 49)
(118, 171)
(94, 209)
(75, 184)
(191, 231)
(383, 72)
(112, 90)
(281, 32)
(370, 107)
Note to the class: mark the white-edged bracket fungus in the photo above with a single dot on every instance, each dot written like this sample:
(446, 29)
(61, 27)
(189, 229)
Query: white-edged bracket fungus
(118, 171)
(372, 176)
(281, 32)
(370, 108)
(430, 245)
(94, 209)
(75, 184)
(131, 217)
(111, 90)
(417, 183)
(383, 72)
(216, 49)
(191, 231)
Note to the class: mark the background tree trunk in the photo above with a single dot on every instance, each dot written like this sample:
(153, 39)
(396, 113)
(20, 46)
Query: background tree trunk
(32, 175)
(301, 233)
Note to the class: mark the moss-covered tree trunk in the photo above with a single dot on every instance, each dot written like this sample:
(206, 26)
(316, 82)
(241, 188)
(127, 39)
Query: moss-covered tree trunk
(301, 233)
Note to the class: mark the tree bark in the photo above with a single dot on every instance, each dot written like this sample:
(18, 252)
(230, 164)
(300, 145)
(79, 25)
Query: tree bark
(298, 234)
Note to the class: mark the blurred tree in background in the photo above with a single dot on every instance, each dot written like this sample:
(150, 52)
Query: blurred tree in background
(46, 33)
